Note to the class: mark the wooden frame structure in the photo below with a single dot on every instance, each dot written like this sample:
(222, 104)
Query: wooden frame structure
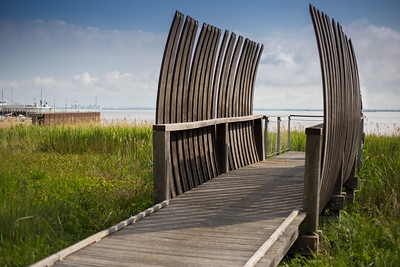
(332, 148)
(204, 122)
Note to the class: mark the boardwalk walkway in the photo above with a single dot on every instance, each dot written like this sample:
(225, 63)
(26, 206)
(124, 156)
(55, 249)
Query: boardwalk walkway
(220, 223)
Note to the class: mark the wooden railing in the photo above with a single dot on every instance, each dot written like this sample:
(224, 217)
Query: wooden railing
(218, 151)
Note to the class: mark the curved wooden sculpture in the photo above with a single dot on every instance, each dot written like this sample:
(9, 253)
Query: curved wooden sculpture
(342, 104)
(206, 76)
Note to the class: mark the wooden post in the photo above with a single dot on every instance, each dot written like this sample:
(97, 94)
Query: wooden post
(222, 147)
(259, 140)
(312, 175)
(266, 135)
(309, 240)
(278, 136)
(289, 133)
(161, 165)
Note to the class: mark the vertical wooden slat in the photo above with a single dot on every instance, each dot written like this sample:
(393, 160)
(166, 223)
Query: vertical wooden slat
(175, 164)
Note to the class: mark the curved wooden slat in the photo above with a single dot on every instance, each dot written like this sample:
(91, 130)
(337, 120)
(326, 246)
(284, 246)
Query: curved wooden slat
(222, 91)
(194, 75)
(253, 78)
(205, 95)
(184, 175)
(342, 105)
(217, 72)
(231, 76)
(244, 104)
(237, 89)
(207, 112)
(167, 66)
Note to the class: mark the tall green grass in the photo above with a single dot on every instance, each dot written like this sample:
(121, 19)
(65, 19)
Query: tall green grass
(60, 184)
(369, 231)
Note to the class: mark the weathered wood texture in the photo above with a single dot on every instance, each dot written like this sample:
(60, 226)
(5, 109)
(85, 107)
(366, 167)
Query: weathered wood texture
(342, 104)
(223, 222)
(202, 79)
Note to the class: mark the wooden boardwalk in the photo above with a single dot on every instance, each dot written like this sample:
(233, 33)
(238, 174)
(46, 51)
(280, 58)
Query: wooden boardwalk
(223, 222)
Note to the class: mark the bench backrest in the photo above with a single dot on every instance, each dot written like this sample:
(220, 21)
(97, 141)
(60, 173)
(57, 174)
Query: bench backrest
(204, 122)
(342, 105)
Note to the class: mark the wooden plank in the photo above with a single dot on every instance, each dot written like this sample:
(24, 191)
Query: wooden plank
(283, 245)
(260, 253)
(98, 236)
(226, 218)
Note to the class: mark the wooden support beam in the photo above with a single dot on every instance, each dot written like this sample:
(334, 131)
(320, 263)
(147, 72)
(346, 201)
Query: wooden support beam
(312, 175)
(352, 183)
(337, 202)
(309, 240)
(306, 244)
(161, 166)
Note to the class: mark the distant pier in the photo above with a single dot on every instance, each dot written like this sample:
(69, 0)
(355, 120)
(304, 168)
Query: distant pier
(47, 115)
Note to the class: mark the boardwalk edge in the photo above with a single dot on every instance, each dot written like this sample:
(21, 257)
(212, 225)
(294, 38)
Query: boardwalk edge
(50, 260)
(272, 239)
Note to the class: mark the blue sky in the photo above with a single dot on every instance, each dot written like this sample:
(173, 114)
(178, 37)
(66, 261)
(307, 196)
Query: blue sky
(77, 50)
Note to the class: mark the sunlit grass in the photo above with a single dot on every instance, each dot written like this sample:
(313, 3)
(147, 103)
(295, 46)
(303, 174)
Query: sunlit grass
(369, 231)
(60, 184)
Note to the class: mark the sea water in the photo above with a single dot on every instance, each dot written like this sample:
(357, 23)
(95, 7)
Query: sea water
(379, 122)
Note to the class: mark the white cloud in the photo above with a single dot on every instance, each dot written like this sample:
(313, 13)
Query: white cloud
(112, 89)
(121, 68)
(289, 72)
(378, 56)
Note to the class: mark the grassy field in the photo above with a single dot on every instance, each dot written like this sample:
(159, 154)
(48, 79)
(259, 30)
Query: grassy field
(60, 184)
(369, 231)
